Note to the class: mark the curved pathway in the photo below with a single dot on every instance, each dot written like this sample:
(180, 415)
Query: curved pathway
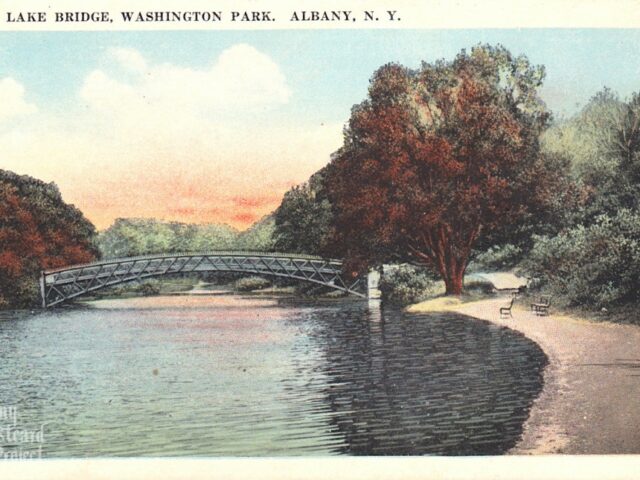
(590, 403)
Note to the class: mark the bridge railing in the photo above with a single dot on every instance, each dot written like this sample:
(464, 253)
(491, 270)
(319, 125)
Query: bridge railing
(222, 253)
(60, 285)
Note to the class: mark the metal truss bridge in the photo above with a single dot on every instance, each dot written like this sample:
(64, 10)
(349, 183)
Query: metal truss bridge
(59, 285)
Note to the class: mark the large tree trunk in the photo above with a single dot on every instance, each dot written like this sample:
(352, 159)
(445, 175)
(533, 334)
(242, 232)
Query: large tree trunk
(453, 282)
(453, 276)
(452, 273)
(450, 261)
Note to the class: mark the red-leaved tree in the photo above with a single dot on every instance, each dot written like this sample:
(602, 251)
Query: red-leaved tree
(434, 157)
(38, 230)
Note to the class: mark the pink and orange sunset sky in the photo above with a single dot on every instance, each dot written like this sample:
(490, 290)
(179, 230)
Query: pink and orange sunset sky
(215, 126)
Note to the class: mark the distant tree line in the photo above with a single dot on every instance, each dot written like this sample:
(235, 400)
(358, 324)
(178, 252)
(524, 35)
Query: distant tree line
(129, 237)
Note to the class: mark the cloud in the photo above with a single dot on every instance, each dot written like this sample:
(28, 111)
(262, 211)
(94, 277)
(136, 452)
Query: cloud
(160, 140)
(12, 102)
(128, 58)
(241, 78)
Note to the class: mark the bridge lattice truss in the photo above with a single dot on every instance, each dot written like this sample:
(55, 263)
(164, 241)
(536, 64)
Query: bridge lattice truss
(63, 284)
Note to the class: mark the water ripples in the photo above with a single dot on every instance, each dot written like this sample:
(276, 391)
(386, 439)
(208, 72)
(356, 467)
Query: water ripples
(234, 376)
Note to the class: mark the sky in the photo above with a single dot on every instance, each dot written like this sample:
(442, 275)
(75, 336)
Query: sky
(214, 126)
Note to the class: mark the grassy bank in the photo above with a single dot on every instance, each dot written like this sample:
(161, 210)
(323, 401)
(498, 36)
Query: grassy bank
(444, 303)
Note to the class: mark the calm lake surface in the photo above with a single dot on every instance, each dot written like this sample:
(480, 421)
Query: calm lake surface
(214, 375)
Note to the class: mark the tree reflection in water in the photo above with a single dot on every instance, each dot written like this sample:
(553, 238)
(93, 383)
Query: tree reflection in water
(401, 384)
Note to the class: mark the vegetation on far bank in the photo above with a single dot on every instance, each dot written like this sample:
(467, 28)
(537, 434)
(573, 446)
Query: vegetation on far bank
(129, 237)
(147, 287)
(232, 282)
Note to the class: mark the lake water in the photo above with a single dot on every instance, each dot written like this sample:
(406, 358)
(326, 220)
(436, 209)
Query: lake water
(229, 375)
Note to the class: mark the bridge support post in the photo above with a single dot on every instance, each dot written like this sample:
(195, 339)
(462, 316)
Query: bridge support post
(43, 292)
(373, 283)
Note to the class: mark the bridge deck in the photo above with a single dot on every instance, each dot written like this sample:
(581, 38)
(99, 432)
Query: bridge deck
(63, 284)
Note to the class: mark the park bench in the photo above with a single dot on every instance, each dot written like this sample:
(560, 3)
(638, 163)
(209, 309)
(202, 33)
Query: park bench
(541, 307)
(504, 311)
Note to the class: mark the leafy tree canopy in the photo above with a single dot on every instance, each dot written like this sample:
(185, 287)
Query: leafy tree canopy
(436, 158)
(258, 237)
(602, 143)
(38, 230)
(129, 237)
(303, 219)
(139, 236)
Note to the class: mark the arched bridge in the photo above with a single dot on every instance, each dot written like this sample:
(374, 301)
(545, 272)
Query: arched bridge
(60, 285)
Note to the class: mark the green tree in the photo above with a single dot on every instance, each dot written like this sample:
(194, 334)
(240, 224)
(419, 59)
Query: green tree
(303, 219)
(258, 237)
(588, 142)
(597, 265)
(129, 237)
(213, 236)
(595, 260)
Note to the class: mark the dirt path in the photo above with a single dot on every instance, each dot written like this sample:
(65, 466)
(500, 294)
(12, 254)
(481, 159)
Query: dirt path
(590, 403)
(591, 399)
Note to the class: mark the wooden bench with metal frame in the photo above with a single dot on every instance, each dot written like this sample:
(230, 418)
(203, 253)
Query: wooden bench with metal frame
(541, 307)
(507, 310)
